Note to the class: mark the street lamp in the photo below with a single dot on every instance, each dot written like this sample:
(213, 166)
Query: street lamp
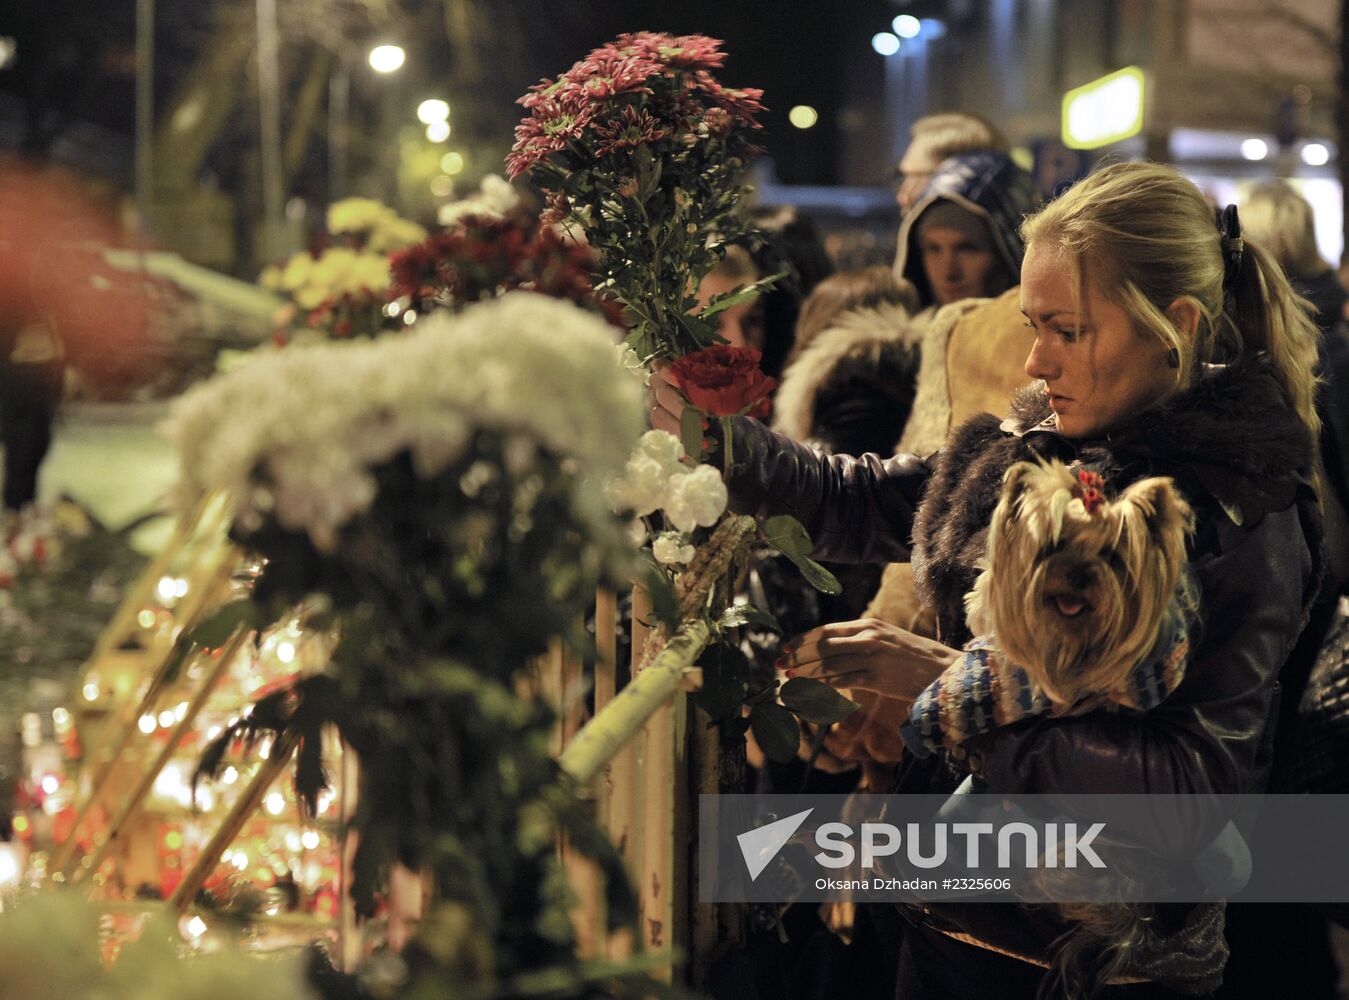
(433, 110)
(1254, 149)
(1315, 154)
(386, 58)
(885, 43)
(907, 26)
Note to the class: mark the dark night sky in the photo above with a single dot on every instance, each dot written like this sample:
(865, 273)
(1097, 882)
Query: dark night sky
(77, 58)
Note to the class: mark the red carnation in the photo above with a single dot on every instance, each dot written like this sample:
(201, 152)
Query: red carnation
(722, 381)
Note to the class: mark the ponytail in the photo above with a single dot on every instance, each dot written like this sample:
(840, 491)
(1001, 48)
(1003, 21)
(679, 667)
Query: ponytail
(1267, 316)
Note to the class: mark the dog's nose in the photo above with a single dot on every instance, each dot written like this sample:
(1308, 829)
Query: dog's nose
(1079, 578)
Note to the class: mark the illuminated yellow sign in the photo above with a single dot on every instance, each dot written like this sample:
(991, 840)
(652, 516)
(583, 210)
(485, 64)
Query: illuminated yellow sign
(1104, 111)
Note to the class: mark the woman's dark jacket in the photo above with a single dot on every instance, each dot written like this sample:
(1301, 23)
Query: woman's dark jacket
(1243, 460)
(1241, 457)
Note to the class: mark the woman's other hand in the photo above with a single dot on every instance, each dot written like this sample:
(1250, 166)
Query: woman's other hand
(870, 655)
(666, 404)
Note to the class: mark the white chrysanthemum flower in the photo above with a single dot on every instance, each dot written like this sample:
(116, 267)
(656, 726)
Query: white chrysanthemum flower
(295, 434)
(665, 448)
(672, 549)
(641, 489)
(696, 498)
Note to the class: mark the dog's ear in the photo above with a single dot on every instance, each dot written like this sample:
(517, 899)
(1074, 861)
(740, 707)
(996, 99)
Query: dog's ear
(1165, 512)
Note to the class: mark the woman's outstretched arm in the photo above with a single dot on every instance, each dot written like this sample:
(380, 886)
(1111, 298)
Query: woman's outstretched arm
(855, 509)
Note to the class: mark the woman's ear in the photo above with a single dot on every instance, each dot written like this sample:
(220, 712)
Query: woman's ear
(1184, 312)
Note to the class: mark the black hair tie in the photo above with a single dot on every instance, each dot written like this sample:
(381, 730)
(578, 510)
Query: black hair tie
(1229, 229)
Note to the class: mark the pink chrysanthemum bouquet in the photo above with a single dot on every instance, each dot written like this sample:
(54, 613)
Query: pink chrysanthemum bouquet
(646, 151)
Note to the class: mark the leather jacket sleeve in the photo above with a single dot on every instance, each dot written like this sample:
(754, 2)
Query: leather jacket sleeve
(1209, 736)
(856, 510)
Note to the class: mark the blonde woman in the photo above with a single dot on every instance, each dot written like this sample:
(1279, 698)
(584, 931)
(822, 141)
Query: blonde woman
(1160, 343)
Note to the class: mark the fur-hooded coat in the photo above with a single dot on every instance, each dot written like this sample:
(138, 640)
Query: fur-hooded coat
(852, 388)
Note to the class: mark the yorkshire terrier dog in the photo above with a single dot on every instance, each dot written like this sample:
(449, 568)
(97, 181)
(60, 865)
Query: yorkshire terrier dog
(1075, 587)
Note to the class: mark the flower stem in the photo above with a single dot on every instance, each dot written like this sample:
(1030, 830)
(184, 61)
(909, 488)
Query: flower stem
(726, 445)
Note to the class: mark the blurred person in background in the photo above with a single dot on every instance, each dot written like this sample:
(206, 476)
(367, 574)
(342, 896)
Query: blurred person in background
(846, 292)
(961, 238)
(60, 305)
(32, 381)
(937, 137)
(740, 325)
(1282, 221)
(792, 247)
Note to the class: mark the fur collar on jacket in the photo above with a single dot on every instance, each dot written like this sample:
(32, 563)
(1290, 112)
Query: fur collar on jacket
(861, 334)
(1232, 443)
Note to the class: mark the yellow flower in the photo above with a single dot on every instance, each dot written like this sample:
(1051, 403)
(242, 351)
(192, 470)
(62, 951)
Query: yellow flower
(355, 215)
(394, 233)
(297, 271)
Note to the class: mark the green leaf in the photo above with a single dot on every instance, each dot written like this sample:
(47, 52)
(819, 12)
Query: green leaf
(178, 655)
(691, 432)
(726, 675)
(815, 701)
(738, 615)
(639, 339)
(817, 576)
(776, 731)
(786, 534)
(217, 629)
(663, 603)
(736, 296)
(721, 303)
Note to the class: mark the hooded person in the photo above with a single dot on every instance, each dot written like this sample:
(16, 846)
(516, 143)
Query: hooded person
(961, 238)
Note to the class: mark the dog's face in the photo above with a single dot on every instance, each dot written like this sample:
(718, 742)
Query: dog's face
(1075, 585)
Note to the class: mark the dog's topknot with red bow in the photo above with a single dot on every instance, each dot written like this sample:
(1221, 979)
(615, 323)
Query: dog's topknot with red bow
(1090, 490)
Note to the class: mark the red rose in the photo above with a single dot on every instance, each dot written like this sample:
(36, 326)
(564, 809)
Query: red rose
(722, 381)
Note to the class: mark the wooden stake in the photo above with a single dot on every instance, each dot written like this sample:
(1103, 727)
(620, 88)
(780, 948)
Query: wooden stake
(159, 660)
(244, 807)
(137, 796)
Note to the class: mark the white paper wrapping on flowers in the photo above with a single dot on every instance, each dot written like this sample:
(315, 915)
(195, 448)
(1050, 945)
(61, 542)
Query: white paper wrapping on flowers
(296, 433)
